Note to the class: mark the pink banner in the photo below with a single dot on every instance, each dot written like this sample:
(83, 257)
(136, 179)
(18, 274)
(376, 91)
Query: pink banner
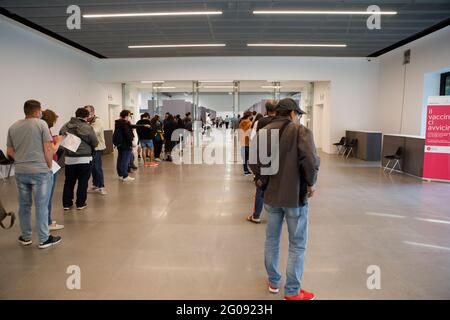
(437, 143)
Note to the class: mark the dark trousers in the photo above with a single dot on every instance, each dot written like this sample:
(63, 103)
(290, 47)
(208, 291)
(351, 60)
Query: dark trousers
(76, 173)
(123, 161)
(97, 170)
(245, 156)
(158, 147)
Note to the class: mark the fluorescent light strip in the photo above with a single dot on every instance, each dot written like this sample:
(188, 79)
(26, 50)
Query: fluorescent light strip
(150, 14)
(271, 87)
(217, 81)
(150, 81)
(163, 87)
(323, 12)
(177, 46)
(217, 87)
(295, 45)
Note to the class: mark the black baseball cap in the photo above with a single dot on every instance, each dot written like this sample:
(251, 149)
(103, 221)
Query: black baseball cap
(289, 104)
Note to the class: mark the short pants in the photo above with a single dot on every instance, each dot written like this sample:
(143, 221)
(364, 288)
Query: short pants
(146, 144)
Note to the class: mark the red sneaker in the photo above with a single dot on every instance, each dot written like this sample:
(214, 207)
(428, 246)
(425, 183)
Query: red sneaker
(304, 295)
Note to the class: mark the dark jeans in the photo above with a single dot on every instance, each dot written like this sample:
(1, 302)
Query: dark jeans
(259, 203)
(123, 161)
(97, 170)
(245, 152)
(76, 173)
(158, 147)
(54, 178)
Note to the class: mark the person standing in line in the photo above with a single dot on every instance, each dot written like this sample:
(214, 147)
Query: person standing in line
(227, 122)
(78, 165)
(50, 118)
(146, 136)
(98, 180)
(30, 145)
(169, 128)
(286, 197)
(158, 140)
(187, 122)
(255, 217)
(123, 140)
(244, 133)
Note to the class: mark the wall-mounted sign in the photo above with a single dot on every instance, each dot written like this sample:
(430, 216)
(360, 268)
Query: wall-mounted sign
(437, 140)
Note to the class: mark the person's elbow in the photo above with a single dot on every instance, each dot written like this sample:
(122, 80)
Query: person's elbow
(10, 152)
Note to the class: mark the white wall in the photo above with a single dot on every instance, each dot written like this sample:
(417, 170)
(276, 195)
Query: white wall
(430, 56)
(321, 112)
(36, 67)
(353, 91)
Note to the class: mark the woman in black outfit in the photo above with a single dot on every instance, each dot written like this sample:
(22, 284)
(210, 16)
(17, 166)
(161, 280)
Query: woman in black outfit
(169, 127)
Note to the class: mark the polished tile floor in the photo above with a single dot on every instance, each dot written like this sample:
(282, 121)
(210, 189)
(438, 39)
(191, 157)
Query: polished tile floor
(179, 232)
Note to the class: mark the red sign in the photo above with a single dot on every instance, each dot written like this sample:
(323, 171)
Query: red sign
(437, 143)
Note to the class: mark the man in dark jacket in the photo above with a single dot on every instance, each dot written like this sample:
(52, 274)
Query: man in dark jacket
(286, 196)
(124, 131)
(78, 164)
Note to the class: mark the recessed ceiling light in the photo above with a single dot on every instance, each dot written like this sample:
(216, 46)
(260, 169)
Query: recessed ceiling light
(150, 14)
(323, 12)
(295, 45)
(178, 45)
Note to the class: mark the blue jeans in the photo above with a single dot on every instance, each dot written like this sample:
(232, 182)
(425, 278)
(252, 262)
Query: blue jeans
(38, 185)
(259, 202)
(123, 162)
(97, 170)
(297, 224)
(50, 200)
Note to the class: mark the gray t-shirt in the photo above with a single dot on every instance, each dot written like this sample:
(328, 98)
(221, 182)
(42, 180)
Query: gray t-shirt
(27, 137)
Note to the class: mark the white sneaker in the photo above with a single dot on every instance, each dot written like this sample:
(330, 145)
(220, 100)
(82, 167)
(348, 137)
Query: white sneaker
(158, 160)
(93, 190)
(128, 179)
(102, 191)
(54, 226)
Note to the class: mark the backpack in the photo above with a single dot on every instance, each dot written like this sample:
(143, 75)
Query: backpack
(262, 181)
(117, 138)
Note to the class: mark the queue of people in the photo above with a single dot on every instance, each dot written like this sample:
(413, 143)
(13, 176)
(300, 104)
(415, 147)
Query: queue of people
(284, 194)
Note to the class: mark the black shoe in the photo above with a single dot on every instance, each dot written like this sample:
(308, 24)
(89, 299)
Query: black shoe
(24, 242)
(82, 207)
(51, 241)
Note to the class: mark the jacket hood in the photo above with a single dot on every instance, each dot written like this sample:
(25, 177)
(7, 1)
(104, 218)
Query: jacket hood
(75, 123)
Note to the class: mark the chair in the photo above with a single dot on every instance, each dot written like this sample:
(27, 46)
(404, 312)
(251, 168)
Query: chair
(396, 158)
(4, 161)
(339, 145)
(349, 147)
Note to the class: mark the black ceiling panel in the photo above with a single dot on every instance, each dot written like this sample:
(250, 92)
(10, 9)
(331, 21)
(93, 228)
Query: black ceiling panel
(236, 27)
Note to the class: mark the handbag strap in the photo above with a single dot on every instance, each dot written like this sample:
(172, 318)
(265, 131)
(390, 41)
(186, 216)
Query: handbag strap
(11, 222)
